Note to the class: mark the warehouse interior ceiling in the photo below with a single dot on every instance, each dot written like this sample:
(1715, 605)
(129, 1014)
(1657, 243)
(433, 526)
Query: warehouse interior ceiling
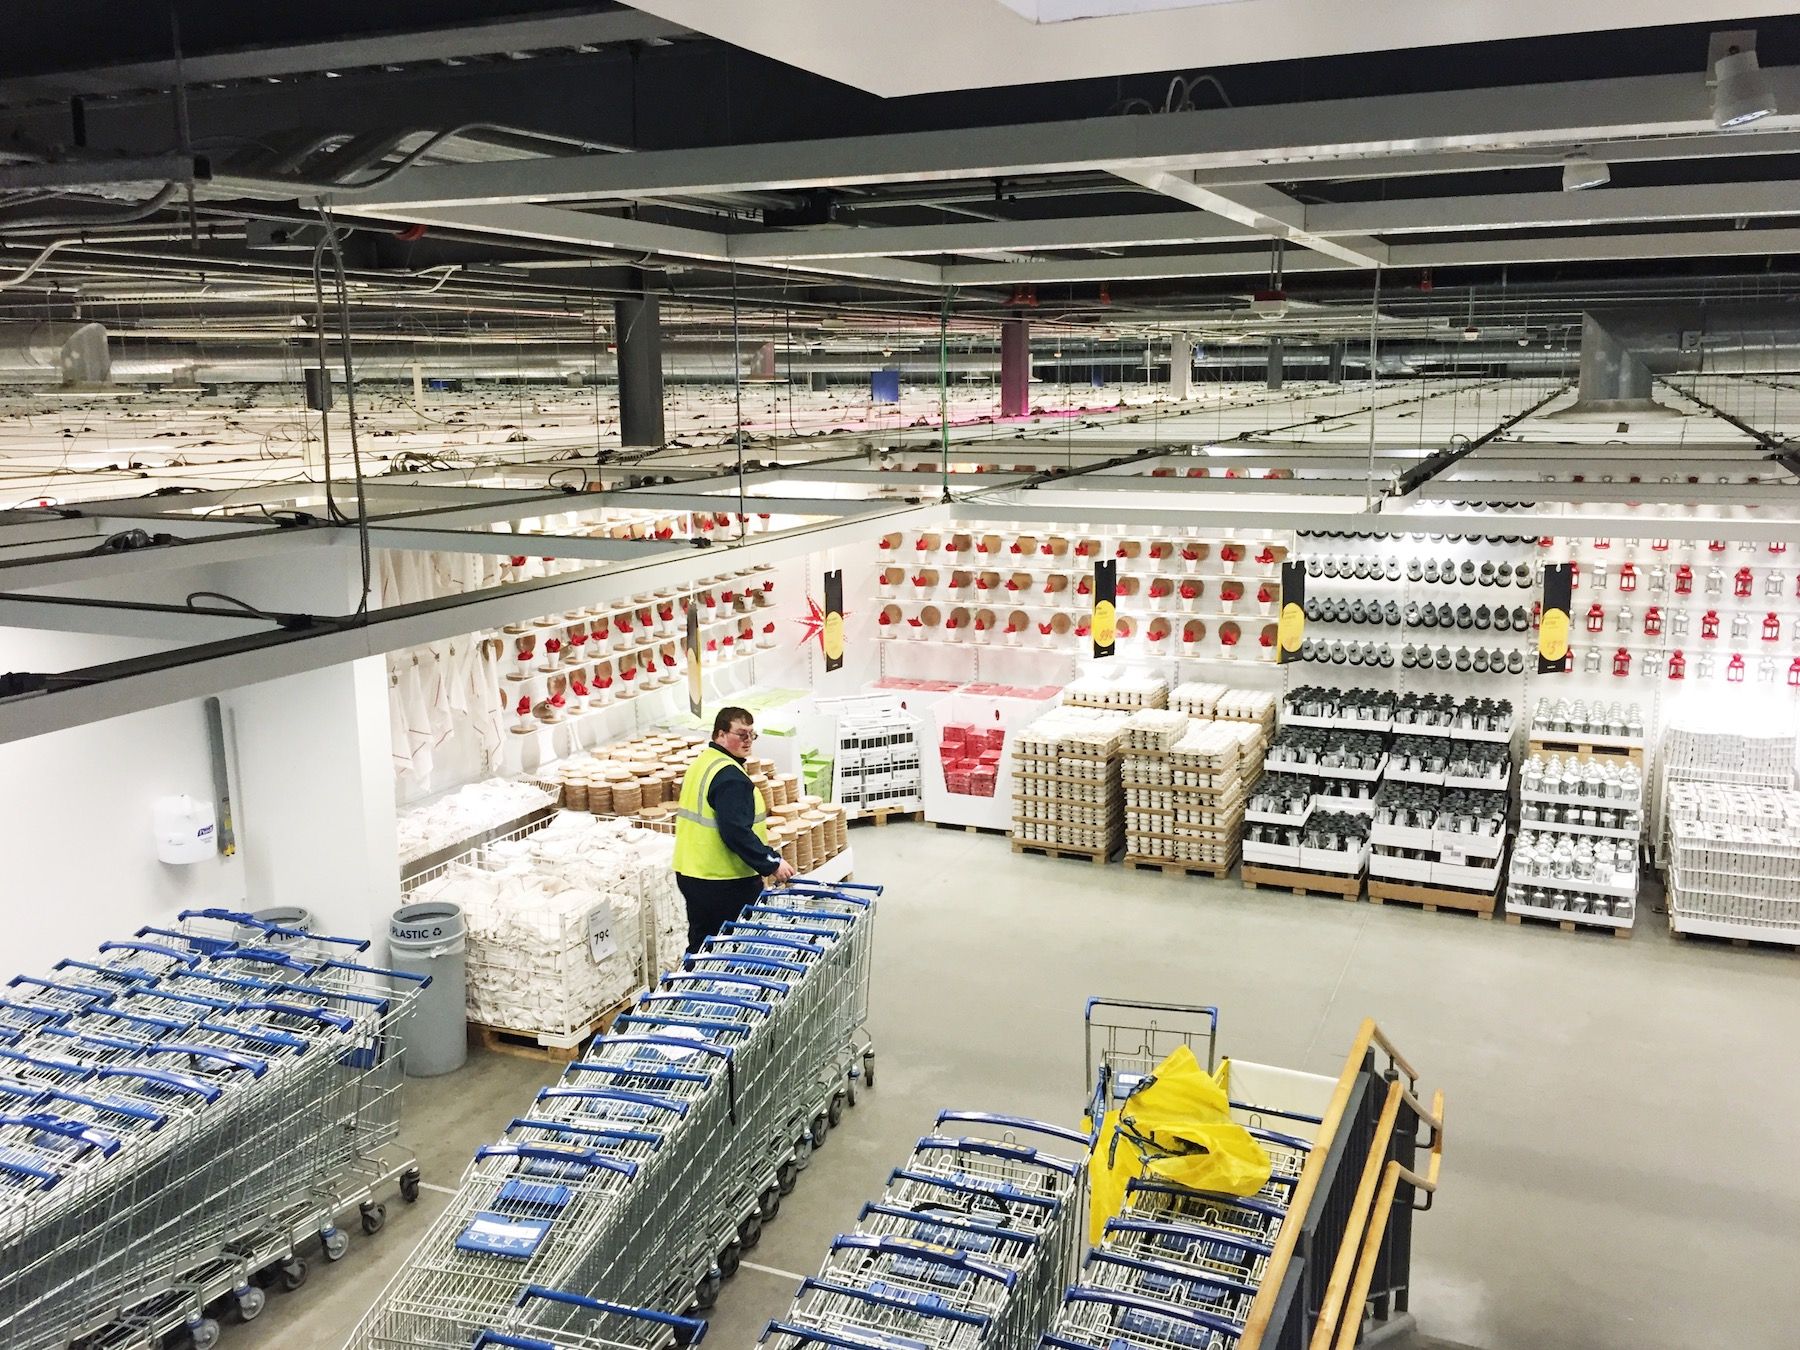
(1403, 274)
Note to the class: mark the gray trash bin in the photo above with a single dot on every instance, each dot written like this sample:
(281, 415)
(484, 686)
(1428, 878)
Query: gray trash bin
(427, 939)
(282, 916)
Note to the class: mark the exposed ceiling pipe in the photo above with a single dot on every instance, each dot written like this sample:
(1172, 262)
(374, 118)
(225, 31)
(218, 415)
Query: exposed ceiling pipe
(142, 211)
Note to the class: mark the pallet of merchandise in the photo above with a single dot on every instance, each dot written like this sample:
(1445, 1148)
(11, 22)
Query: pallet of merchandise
(1097, 856)
(1702, 937)
(1336, 885)
(1387, 890)
(550, 1047)
(1586, 923)
(1176, 867)
(886, 815)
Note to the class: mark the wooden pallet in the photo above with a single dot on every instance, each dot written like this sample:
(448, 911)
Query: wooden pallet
(1256, 876)
(1097, 856)
(1568, 925)
(972, 829)
(1385, 890)
(1751, 944)
(885, 815)
(1574, 745)
(542, 1045)
(1179, 867)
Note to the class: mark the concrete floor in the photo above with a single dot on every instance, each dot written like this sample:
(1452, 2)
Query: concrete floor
(1622, 1116)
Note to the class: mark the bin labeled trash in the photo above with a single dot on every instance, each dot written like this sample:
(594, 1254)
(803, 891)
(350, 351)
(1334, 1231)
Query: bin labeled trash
(427, 939)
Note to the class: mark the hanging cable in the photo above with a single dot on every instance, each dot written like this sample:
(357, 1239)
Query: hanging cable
(362, 504)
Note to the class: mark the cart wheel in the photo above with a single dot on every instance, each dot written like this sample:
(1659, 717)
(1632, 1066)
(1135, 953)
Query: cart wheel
(821, 1126)
(336, 1242)
(293, 1274)
(250, 1303)
(409, 1185)
(769, 1203)
(850, 1091)
(706, 1293)
(869, 1068)
(750, 1231)
(834, 1113)
(729, 1259)
(204, 1333)
(374, 1216)
(787, 1176)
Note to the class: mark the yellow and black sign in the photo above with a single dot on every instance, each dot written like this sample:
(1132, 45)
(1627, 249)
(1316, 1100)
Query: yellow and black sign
(1553, 629)
(693, 658)
(1291, 631)
(1104, 625)
(832, 635)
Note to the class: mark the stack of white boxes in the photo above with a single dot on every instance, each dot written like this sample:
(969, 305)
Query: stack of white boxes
(877, 762)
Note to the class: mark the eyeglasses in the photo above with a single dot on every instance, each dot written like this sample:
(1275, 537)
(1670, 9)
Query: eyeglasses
(744, 734)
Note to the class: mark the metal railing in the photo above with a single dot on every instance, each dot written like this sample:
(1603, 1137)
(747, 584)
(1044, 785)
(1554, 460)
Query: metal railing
(1346, 1268)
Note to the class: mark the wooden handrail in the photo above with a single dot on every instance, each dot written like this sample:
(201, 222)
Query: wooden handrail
(1331, 1306)
(1262, 1308)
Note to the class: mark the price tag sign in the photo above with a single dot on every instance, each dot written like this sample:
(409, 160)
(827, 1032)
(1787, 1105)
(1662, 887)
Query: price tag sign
(600, 933)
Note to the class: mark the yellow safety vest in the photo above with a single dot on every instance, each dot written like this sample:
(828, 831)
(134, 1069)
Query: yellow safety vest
(699, 851)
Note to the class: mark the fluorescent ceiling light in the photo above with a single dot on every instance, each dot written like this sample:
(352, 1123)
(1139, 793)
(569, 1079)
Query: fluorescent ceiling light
(1583, 171)
(1741, 91)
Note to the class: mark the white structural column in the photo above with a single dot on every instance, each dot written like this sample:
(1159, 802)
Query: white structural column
(1181, 367)
(315, 796)
(1262, 209)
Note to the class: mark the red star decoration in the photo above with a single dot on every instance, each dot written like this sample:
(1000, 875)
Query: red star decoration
(814, 622)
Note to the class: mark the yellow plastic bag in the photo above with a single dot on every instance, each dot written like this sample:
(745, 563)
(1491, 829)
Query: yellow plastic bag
(1177, 1128)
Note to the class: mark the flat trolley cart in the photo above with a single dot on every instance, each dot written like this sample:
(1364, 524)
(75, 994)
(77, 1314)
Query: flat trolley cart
(550, 1319)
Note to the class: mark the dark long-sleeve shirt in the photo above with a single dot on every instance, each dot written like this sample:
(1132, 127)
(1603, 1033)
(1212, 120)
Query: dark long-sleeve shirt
(733, 801)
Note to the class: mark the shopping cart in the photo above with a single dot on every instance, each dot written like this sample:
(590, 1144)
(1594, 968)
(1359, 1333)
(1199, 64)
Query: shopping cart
(549, 1319)
(1102, 1319)
(1126, 1039)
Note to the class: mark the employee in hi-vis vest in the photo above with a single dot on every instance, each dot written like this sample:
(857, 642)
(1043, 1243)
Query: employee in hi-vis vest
(722, 853)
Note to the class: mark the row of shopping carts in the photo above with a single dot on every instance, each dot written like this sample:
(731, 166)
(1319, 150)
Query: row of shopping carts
(1175, 1269)
(628, 1191)
(178, 1114)
(969, 1246)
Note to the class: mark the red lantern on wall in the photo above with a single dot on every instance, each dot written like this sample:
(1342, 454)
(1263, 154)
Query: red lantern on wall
(1742, 582)
(1715, 545)
(1596, 618)
(1653, 621)
(1794, 673)
(1771, 627)
(1659, 545)
(1622, 661)
(1628, 577)
(1709, 624)
(1678, 665)
(1684, 580)
(1734, 669)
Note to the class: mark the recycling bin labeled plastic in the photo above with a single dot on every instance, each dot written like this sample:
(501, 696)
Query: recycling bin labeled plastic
(427, 939)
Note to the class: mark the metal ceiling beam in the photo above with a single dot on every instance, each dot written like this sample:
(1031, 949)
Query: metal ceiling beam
(161, 623)
(1580, 112)
(86, 568)
(1167, 229)
(1546, 210)
(1137, 268)
(1260, 208)
(475, 39)
(80, 697)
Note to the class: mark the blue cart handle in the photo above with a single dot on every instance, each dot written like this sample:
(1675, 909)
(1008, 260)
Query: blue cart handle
(195, 1000)
(259, 1034)
(893, 1246)
(748, 962)
(1010, 1151)
(769, 937)
(844, 1339)
(1187, 1274)
(702, 996)
(1168, 1312)
(590, 1131)
(130, 975)
(997, 1191)
(262, 956)
(75, 1130)
(509, 1341)
(920, 1304)
(250, 1064)
(692, 1328)
(726, 977)
(43, 1062)
(949, 1219)
(810, 915)
(39, 1174)
(1137, 1185)
(641, 1071)
(1292, 1141)
(632, 1020)
(155, 1119)
(747, 920)
(143, 1019)
(1018, 1123)
(1191, 1234)
(833, 889)
(264, 926)
(569, 1157)
(56, 1016)
(157, 948)
(173, 1081)
(330, 1019)
(648, 1100)
(423, 981)
(92, 993)
(677, 1042)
